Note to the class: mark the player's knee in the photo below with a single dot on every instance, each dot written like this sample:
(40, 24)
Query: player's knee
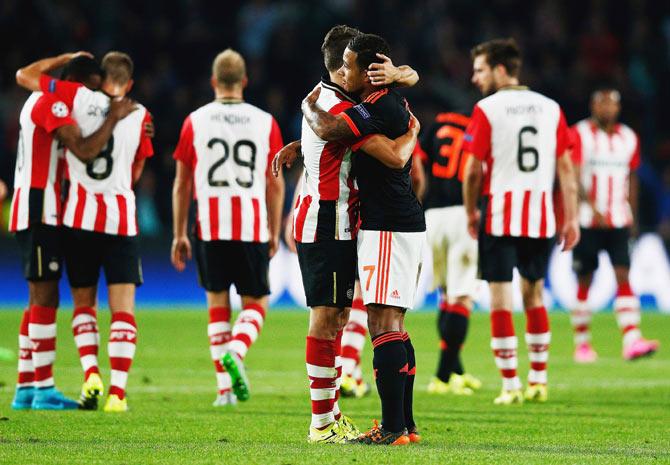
(325, 322)
(382, 319)
(532, 295)
(44, 294)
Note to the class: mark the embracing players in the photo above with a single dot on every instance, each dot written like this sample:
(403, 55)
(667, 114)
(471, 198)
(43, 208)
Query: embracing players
(223, 161)
(454, 250)
(607, 153)
(47, 127)
(518, 139)
(101, 224)
(392, 236)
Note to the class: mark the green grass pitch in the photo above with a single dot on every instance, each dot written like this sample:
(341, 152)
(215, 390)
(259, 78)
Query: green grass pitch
(611, 412)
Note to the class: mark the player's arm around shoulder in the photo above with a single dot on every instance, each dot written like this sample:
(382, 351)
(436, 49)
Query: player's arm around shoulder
(327, 126)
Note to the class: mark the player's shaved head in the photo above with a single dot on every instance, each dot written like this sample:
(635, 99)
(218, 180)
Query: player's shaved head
(118, 67)
(334, 43)
(366, 47)
(85, 70)
(503, 52)
(229, 68)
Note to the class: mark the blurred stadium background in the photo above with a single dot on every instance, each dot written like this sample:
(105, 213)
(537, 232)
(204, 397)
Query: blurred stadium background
(569, 47)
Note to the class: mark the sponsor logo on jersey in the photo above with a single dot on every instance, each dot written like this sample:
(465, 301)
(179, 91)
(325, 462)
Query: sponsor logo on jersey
(362, 111)
(59, 110)
(95, 110)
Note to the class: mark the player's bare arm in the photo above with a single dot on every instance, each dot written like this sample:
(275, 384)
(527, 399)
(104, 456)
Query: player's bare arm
(386, 73)
(138, 168)
(472, 181)
(393, 153)
(327, 126)
(569, 236)
(181, 201)
(87, 148)
(274, 198)
(418, 174)
(28, 77)
(633, 200)
(286, 156)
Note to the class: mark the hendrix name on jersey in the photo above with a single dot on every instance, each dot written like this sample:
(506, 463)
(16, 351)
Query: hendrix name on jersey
(228, 145)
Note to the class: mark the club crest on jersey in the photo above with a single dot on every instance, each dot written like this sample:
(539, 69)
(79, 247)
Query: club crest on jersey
(362, 111)
(59, 110)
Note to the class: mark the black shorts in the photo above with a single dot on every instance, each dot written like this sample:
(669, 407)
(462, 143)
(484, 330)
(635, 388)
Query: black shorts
(498, 256)
(613, 241)
(41, 252)
(328, 272)
(86, 252)
(244, 264)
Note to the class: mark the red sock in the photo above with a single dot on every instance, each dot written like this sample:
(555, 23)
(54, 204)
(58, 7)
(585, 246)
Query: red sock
(627, 311)
(320, 358)
(86, 338)
(538, 338)
(504, 344)
(42, 332)
(26, 369)
(218, 331)
(121, 348)
(247, 328)
(353, 338)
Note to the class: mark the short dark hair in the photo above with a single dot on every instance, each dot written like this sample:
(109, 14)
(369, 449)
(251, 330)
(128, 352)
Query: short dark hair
(118, 67)
(334, 43)
(80, 69)
(500, 52)
(367, 46)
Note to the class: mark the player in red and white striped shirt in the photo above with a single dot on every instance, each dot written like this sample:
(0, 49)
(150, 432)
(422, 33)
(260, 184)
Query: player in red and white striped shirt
(607, 153)
(36, 215)
(223, 162)
(101, 227)
(518, 139)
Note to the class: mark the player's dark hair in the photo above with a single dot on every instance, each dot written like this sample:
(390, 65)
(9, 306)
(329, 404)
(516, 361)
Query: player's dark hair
(334, 43)
(118, 67)
(367, 46)
(503, 52)
(80, 69)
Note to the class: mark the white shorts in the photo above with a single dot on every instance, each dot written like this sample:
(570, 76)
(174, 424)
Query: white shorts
(454, 251)
(389, 265)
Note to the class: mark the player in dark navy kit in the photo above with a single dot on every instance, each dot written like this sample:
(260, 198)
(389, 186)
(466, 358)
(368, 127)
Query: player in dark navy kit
(392, 235)
(454, 251)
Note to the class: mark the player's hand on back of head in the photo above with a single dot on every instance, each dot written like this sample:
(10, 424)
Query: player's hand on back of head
(119, 108)
(383, 74)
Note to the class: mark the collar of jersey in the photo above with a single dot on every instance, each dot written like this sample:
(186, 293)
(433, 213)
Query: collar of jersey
(513, 88)
(328, 84)
(228, 100)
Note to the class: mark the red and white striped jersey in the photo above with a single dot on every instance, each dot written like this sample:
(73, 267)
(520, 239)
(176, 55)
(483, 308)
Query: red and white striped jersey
(326, 209)
(606, 162)
(39, 163)
(518, 134)
(229, 145)
(101, 196)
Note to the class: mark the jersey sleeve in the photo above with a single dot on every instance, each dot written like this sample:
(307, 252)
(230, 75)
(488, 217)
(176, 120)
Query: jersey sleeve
(185, 151)
(562, 135)
(276, 143)
(146, 147)
(366, 118)
(576, 143)
(636, 158)
(63, 90)
(478, 135)
(50, 113)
